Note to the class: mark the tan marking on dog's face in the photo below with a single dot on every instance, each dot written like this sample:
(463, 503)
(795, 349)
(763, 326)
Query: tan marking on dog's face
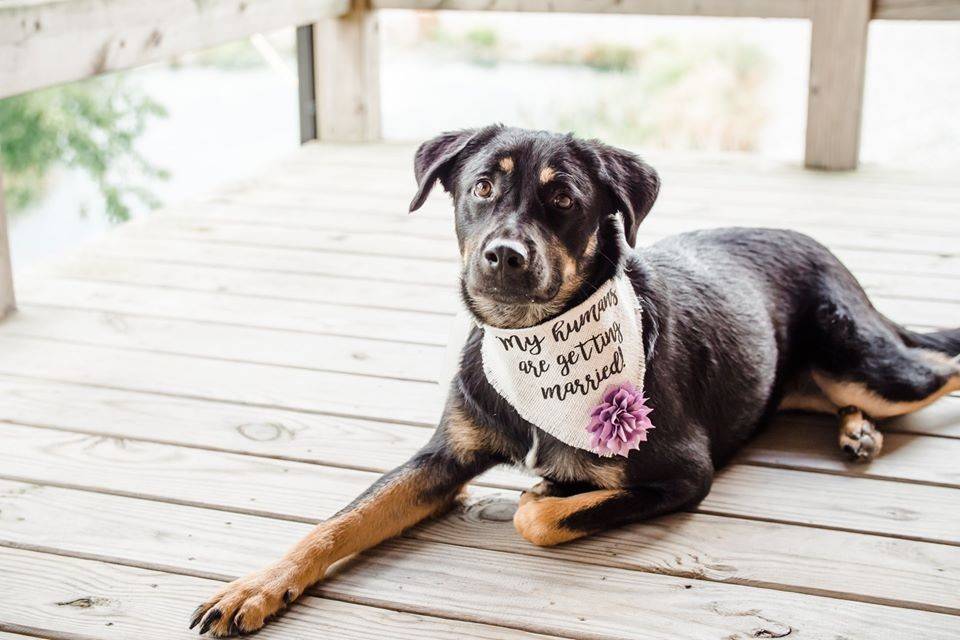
(506, 163)
(845, 393)
(538, 519)
(547, 174)
(466, 251)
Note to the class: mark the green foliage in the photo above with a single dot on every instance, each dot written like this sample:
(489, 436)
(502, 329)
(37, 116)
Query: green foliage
(599, 56)
(480, 46)
(680, 95)
(92, 126)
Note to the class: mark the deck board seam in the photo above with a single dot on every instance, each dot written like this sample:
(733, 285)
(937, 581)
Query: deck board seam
(487, 484)
(452, 287)
(320, 592)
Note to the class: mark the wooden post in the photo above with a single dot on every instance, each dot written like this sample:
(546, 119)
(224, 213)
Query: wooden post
(7, 301)
(348, 76)
(838, 54)
(306, 84)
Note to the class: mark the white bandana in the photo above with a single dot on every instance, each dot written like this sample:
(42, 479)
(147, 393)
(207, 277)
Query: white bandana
(556, 373)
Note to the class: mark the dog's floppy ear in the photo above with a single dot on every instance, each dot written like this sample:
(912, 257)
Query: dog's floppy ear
(632, 183)
(435, 159)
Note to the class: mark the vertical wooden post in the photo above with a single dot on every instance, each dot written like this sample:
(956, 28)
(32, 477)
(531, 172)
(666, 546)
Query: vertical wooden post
(7, 301)
(348, 76)
(306, 84)
(838, 55)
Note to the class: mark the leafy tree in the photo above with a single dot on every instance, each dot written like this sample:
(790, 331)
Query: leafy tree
(92, 126)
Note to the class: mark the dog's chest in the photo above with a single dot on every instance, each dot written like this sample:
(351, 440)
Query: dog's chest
(551, 459)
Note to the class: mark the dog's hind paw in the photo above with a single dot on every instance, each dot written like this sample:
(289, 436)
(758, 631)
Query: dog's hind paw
(859, 439)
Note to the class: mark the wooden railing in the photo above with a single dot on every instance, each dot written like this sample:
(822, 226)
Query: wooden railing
(48, 42)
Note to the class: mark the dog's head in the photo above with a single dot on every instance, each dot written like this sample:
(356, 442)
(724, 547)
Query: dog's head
(535, 214)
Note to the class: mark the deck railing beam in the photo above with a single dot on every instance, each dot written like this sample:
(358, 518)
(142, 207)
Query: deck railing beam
(7, 300)
(347, 62)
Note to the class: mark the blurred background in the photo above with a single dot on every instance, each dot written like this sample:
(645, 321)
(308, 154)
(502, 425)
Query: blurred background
(79, 158)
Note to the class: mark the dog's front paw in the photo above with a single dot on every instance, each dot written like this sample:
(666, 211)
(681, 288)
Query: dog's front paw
(246, 604)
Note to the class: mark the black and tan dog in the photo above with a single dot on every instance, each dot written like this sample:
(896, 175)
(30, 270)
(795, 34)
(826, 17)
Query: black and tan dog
(738, 324)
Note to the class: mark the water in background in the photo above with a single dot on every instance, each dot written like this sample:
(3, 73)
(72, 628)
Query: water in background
(682, 83)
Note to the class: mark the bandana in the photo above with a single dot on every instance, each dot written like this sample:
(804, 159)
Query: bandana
(578, 376)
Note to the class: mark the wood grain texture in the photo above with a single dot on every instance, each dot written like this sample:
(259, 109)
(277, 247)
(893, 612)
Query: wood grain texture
(838, 56)
(143, 603)
(103, 37)
(917, 10)
(248, 311)
(210, 543)
(299, 350)
(798, 444)
(347, 63)
(71, 598)
(375, 237)
(239, 382)
(282, 488)
(719, 8)
(898, 276)
(198, 369)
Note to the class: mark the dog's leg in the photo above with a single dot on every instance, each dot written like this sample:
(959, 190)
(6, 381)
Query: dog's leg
(861, 360)
(546, 520)
(859, 438)
(424, 486)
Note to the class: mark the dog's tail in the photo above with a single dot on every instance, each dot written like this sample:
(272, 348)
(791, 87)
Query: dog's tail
(946, 341)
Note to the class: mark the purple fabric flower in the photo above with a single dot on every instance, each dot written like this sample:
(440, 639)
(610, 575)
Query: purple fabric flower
(620, 422)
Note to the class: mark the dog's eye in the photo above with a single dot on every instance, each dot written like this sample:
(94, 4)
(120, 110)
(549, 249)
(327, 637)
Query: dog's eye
(483, 189)
(562, 201)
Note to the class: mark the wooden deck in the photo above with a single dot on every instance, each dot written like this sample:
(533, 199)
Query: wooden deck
(180, 400)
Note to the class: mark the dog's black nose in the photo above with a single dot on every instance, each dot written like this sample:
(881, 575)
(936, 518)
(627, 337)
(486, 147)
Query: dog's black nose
(507, 256)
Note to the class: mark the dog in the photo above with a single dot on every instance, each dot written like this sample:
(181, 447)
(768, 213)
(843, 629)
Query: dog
(739, 323)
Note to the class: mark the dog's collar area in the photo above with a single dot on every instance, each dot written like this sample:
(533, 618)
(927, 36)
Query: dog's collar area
(579, 375)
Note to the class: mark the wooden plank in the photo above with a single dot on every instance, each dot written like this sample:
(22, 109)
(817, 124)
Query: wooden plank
(356, 298)
(275, 433)
(347, 67)
(717, 8)
(369, 296)
(75, 598)
(314, 352)
(838, 55)
(306, 84)
(892, 508)
(797, 443)
(337, 441)
(686, 212)
(394, 188)
(917, 10)
(378, 237)
(249, 384)
(441, 230)
(735, 173)
(102, 37)
(537, 596)
(287, 489)
(206, 542)
(249, 311)
(8, 301)
(886, 279)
